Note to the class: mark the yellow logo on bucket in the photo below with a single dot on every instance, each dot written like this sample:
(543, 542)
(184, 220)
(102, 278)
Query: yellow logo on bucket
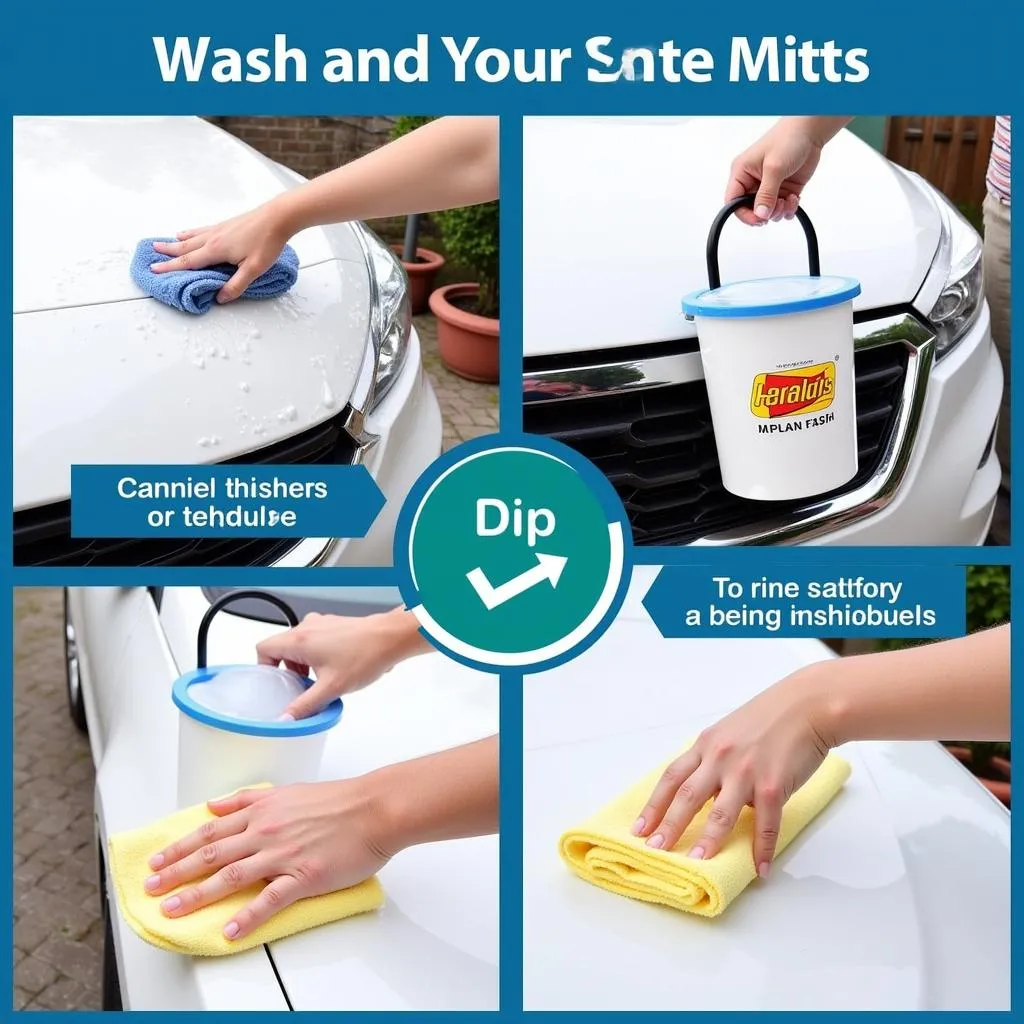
(793, 392)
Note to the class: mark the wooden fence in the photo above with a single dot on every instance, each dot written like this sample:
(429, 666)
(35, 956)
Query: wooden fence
(950, 152)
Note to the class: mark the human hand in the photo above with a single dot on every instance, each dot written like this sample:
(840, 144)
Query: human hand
(776, 168)
(345, 653)
(251, 241)
(758, 755)
(304, 840)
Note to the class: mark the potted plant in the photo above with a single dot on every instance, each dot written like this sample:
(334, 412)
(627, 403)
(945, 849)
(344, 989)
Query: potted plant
(989, 763)
(421, 265)
(467, 313)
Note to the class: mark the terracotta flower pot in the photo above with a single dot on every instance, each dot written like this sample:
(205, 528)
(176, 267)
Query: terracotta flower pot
(997, 779)
(468, 343)
(422, 275)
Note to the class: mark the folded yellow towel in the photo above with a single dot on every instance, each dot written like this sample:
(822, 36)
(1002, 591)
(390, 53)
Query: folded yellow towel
(602, 850)
(200, 933)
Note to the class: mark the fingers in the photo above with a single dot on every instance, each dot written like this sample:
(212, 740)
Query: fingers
(280, 893)
(690, 797)
(664, 792)
(228, 805)
(772, 176)
(234, 876)
(240, 280)
(192, 232)
(740, 183)
(202, 862)
(286, 646)
(209, 832)
(768, 803)
(313, 701)
(188, 255)
(721, 820)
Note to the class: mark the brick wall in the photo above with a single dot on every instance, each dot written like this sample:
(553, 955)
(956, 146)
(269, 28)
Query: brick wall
(310, 145)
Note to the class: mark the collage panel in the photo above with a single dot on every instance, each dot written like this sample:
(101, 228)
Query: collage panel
(208, 306)
(136, 705)
(666, 843)
(847, 384)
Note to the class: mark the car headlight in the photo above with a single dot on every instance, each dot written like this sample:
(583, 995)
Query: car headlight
(960, 299)
(390, 313)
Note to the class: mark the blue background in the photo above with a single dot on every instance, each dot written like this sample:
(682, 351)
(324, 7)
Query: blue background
(938, 57)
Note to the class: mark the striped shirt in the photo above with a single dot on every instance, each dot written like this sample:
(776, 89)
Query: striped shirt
(998, 177)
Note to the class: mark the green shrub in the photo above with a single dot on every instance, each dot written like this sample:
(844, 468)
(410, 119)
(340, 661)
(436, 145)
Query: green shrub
(407, 123)
(471, 240)
(469, 234)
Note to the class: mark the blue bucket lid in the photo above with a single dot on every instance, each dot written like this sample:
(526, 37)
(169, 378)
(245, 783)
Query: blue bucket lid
(303, 727)
(770, 296)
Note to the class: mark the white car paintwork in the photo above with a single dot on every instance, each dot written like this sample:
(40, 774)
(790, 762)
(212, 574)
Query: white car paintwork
(616, 212)
(870, 908)
(434, 945)
(105, 374)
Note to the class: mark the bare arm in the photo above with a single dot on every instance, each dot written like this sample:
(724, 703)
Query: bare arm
(447, 163)
(958, 688)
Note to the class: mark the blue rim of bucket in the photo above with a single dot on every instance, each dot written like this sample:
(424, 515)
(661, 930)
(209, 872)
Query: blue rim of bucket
(303, 727)
(701, 303)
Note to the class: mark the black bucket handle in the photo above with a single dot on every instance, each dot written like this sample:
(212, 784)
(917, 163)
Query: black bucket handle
(715, 278)
(224, 601)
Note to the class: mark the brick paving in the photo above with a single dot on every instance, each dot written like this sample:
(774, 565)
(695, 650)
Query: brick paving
(58, 931)
(469, 409)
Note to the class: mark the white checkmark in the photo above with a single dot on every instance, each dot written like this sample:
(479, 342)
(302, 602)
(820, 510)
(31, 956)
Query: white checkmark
(548, 567)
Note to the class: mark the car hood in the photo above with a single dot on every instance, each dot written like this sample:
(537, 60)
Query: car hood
(87, 189)
(616, 213)
(850, 917)
(104, 374)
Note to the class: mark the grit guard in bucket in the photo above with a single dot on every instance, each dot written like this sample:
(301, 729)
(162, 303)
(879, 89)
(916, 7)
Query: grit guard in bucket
(229, 731)
(778, 364)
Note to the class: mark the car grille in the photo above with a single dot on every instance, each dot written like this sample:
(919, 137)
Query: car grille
(656, 446)
(42, 536)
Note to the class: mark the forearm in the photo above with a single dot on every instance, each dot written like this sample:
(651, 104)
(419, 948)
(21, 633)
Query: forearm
(447, 163)
(399, 636)
(956, 689)
(819, 129)
(449, 795)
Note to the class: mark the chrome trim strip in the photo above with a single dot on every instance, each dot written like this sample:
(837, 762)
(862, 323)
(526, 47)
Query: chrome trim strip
(819, 518)
(308, 553)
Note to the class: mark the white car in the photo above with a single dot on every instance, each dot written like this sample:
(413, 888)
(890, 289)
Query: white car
(434, 944)
(616, 213)
(328, 373)
(896, 897)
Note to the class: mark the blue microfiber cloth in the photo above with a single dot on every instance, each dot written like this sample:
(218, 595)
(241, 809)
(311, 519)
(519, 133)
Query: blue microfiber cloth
(194, 291)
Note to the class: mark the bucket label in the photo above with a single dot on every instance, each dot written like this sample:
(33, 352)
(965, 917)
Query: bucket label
(793, 392)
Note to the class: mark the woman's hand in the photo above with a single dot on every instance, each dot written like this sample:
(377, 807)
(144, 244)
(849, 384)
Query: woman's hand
(779, 165)
(759, 755)
(308, 840)
(303, 840)
(252, 242)
(345, 653)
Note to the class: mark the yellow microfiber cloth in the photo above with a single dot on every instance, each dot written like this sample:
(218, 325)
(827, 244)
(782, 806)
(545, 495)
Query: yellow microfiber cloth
(199, 933)
(603, 851)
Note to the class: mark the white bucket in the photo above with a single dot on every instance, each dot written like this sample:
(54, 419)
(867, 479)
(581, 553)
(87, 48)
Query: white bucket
(230, 732)
(778, 364)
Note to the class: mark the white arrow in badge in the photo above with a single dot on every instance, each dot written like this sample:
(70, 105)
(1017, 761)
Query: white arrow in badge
(548, 567)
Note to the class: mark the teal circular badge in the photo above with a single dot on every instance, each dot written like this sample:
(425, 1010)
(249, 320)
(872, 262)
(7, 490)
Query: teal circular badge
(513, 554)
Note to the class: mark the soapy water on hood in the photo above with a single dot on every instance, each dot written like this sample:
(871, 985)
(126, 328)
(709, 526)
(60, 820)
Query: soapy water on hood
(253, 693)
